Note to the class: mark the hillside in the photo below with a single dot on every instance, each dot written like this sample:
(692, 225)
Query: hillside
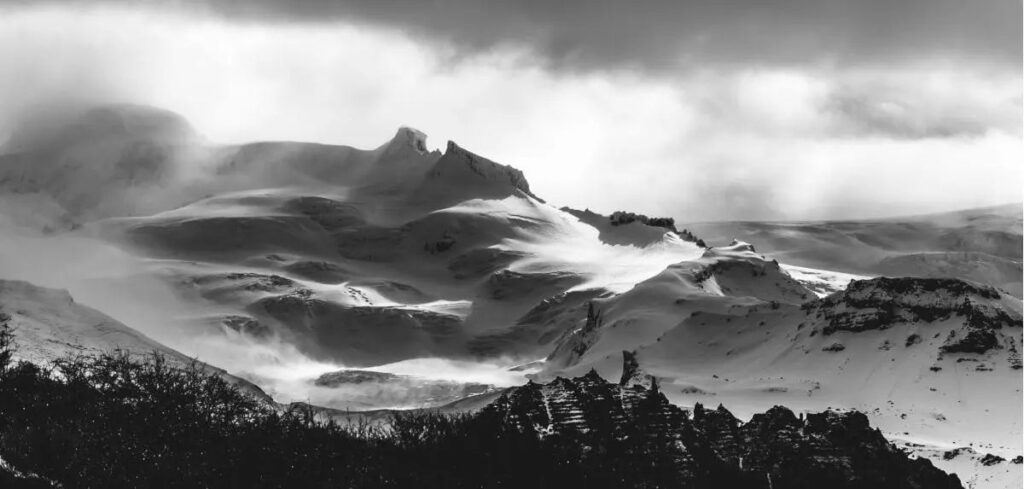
(51, 326)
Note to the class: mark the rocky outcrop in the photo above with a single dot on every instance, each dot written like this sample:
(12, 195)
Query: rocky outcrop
(881, 303)
(712, 448)
(632, 374)
(619, 218)
(574, 343)
(989, 460)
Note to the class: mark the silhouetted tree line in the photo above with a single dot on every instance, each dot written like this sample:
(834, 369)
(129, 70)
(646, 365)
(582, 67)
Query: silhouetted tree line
(114, 421)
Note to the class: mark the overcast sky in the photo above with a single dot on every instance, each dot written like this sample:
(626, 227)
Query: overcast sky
(727, 109)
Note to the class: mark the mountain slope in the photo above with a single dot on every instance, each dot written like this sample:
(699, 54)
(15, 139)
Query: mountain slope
(49, 325)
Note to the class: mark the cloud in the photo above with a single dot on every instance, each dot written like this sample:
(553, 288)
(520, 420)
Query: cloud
(667, 35)
(723, 142)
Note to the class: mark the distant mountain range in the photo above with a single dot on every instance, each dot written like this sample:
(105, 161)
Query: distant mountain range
(981, 245)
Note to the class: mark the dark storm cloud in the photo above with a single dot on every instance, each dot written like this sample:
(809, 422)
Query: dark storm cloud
(669, 34)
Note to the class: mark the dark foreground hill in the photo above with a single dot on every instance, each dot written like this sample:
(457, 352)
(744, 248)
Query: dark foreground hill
(112, 421)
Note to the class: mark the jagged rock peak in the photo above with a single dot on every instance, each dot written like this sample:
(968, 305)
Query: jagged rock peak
(456, 156)
(410, 138)
(633, 375)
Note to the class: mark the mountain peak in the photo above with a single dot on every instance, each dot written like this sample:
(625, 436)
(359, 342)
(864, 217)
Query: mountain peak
(408, 137)
(482, 168)
(460, 175)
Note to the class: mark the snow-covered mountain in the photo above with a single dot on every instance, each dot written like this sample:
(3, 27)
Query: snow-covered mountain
(403, 277)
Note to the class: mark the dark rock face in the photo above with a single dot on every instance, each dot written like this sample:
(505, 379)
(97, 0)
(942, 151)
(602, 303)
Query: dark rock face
(619, 218)
(574, 345)
(834, 347)
(956, 452)
(878, 304)
(912, 340)
(712, 448)
(976, 341)
(632, 374)
(989, 460)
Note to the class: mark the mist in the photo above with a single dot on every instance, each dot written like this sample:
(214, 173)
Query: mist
(131, 290)
(719, 142)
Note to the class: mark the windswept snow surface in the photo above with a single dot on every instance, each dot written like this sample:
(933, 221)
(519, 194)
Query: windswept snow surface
(821, 282)
(556, 241)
